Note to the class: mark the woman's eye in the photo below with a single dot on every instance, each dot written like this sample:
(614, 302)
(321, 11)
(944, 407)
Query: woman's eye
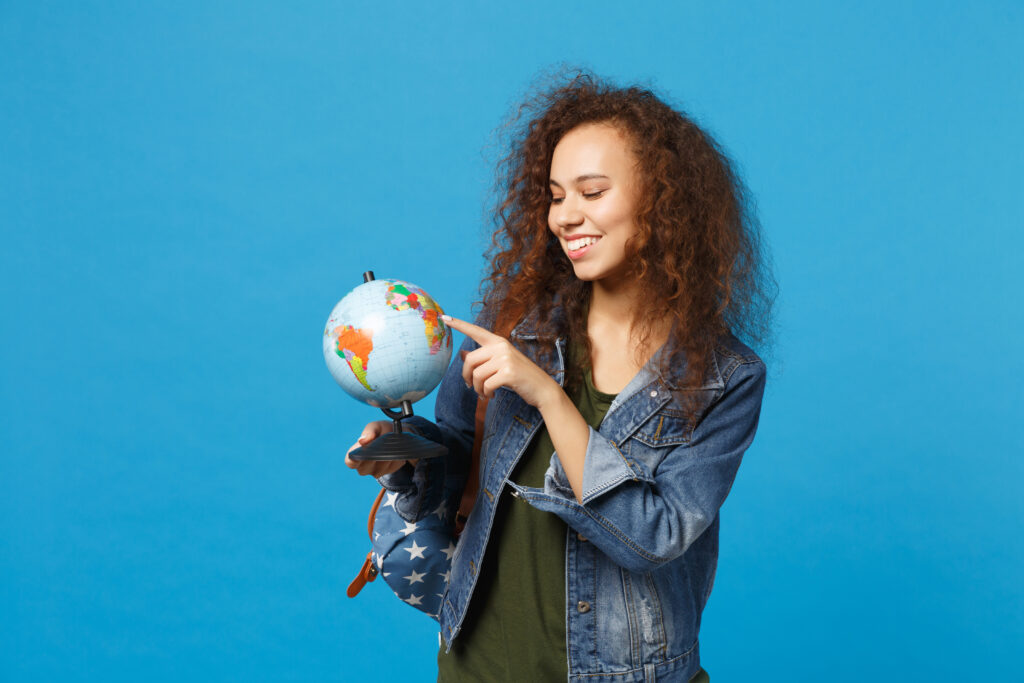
(586, 195)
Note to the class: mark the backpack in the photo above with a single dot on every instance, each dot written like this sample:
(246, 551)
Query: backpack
(415, 557)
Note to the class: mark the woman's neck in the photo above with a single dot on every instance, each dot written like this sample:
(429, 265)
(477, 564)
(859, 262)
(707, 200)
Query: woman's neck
(613, 305)
(614, 309)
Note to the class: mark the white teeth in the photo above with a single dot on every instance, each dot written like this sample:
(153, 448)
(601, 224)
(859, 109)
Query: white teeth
(575, 245)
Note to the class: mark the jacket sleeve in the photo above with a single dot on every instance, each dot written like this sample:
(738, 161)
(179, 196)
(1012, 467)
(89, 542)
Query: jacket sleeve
(643, 520)
(421, 489)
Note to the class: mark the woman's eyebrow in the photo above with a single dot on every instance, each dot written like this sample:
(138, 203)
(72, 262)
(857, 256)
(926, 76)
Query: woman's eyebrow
(581, 178)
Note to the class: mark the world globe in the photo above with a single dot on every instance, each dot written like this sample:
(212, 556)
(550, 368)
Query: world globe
(385, 343)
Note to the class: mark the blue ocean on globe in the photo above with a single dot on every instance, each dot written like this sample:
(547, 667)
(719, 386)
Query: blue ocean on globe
(385, 343)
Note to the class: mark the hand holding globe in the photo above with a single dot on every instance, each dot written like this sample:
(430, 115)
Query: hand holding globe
(386, 345)
(374, 468)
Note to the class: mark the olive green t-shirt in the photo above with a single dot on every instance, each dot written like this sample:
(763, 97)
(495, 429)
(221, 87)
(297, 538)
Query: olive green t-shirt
(514, 629)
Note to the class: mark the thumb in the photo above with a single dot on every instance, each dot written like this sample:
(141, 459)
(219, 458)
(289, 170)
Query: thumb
(369, 432)
(373, 430)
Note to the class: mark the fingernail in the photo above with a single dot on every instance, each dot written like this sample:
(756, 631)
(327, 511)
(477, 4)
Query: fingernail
(445, 317)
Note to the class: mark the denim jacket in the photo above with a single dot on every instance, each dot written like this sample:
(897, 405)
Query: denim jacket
(642, 544)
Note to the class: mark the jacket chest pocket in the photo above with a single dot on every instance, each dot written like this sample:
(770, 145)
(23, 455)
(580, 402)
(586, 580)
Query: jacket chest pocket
(670, 426)
(653, 441)
(667, 427)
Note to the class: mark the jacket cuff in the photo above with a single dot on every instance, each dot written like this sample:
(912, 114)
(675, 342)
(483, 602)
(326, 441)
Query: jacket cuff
(604, 468)
(419, 487)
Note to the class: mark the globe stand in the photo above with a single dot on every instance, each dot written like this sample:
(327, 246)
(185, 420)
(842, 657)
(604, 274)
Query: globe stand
(399, 445)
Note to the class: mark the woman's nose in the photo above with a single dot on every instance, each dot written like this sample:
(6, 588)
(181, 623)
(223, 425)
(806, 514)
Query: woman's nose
(567, 214)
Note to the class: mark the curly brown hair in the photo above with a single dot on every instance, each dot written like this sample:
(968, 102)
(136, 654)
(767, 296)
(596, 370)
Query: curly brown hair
(697, 256)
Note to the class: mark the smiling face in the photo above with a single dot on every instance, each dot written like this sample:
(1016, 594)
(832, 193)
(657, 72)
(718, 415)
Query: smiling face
(594, 181)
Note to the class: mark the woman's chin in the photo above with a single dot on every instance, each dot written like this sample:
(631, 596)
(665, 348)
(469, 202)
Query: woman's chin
(586, 271)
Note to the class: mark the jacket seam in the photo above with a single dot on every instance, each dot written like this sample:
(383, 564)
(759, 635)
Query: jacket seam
(663, 643)
(595, 608)
(737, 366)
(632, 623)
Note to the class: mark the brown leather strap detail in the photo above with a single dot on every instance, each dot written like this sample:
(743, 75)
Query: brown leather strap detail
(373, 512)
(473, 481)
(367, 573)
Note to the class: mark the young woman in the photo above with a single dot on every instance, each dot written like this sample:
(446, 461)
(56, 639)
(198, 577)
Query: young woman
(624, 265)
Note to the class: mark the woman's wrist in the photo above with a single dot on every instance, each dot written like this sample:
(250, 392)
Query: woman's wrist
(551, 398)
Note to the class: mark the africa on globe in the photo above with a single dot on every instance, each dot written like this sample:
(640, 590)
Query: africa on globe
(385, 343)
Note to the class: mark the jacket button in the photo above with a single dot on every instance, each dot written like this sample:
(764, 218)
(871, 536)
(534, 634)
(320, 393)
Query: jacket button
(583, 606)
(581, 537)
(654, 394)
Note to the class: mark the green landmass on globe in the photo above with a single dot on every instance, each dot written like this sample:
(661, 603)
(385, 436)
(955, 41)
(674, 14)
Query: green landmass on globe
(400, 298)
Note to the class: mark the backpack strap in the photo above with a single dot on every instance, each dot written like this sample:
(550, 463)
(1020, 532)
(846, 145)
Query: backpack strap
(368, 572)
(473, 481)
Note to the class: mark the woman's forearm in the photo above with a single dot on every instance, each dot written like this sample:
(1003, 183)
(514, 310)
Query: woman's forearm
(569, 434)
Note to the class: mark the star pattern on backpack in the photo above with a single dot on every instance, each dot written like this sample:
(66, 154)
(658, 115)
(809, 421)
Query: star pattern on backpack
(414, 558)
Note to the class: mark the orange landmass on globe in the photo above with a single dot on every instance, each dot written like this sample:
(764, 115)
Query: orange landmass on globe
(354, 345)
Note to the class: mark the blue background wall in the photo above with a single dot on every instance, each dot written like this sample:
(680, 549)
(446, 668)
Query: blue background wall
(186, 189)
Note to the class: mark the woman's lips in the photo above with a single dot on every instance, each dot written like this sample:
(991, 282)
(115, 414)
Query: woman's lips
(578, 253)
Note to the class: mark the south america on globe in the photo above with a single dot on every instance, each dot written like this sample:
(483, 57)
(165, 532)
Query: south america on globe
(385, 343)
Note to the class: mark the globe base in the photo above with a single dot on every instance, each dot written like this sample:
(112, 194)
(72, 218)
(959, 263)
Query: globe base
(399, 446)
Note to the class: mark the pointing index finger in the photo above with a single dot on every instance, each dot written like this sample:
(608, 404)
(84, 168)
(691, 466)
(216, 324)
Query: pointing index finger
(478, 334)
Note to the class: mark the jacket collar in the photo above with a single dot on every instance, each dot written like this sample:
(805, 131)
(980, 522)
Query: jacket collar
(529, 328)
